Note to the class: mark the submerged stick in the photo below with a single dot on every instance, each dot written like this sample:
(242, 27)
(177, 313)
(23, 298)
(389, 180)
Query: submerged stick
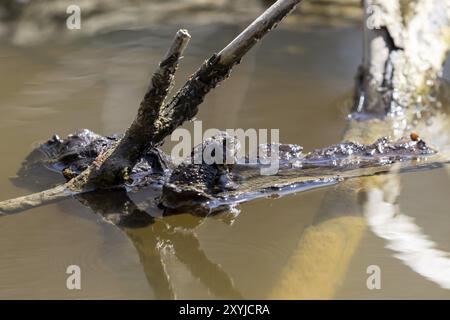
(34, 200)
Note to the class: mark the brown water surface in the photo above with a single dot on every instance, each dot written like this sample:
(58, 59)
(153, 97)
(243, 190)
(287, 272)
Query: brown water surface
(296, 80)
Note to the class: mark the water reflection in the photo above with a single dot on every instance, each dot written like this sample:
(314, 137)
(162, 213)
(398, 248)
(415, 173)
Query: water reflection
(153, 238)
(294, 90)
(402, 234)
(325, 250)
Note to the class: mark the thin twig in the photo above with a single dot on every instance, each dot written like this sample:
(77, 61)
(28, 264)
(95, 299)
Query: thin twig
(237, 48)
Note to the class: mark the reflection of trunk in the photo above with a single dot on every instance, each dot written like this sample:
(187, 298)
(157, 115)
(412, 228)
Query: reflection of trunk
(405, 49)
(401, 234)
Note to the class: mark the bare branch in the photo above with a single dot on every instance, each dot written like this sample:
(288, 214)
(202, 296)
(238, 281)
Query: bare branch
(121, 159)
(237, 48)
(184, 106)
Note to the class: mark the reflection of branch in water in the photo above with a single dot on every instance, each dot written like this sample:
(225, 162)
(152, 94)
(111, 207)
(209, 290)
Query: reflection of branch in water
(116, 207)
(188, 251)
(150, 237)
(149, 249)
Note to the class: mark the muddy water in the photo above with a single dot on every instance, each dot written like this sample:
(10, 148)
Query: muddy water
(297, 80)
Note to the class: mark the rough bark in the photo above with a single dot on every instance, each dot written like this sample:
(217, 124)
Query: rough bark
(406, 44)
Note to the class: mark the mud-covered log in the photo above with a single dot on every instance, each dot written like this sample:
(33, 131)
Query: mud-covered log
(154, 122)
(152, 125)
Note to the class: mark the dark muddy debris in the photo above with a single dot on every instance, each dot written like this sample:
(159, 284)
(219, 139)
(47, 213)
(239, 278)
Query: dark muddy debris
(199, 184)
